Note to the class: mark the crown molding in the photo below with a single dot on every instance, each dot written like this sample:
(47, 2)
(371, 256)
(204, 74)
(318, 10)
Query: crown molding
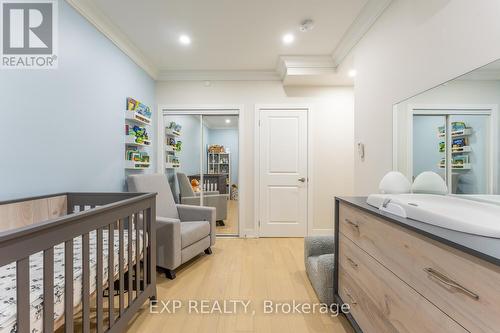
(482, 74)
(305, 65)
(98, 19)
(363, 22)
(217, 75)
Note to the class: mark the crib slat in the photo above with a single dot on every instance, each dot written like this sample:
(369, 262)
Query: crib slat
(23, 295)
(129, 260)
(99, 273)
(48, 290)
(111, 273)
(137, 256)
(68, 286)
(85, 283)
(121, 256)
(145, 248)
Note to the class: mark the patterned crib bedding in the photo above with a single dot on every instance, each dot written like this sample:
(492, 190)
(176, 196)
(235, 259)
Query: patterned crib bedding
(8, 279)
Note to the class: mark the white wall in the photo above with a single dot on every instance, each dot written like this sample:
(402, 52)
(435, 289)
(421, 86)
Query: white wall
(414, 46)
(63, 129)
(332, 123)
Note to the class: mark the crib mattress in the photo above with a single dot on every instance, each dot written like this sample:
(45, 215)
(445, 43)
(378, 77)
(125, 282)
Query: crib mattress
(8, 280)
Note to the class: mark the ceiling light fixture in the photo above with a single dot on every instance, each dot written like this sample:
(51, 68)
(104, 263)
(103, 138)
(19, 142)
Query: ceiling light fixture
(228, 121)
(288, 38)
(185, 39)
(352, 73)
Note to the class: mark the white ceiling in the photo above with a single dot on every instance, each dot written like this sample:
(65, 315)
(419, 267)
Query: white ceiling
(219, 122)
(229, 34)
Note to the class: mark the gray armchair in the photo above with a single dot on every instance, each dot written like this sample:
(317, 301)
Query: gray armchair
(182, 231)
(210, 198)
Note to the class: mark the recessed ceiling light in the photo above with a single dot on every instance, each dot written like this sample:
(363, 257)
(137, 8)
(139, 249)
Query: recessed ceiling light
(184, 40)
(228, 121)
(288, 38)
(352, 73)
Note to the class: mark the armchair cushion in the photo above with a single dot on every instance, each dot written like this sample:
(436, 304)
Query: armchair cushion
(198, 213)
(191, 232)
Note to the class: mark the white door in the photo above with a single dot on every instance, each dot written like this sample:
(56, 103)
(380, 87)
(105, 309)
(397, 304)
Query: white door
(283, 173)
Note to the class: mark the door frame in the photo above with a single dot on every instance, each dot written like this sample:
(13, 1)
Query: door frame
(283, 107)
(445, 110)
(209, 109)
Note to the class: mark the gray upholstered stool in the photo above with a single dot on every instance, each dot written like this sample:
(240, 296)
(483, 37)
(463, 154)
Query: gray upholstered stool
(319, 261)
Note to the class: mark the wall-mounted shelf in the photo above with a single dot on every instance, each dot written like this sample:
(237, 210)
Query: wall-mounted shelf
(171, 132)
(130, 140)
(133, 165)
(172, 165)
(170, 149)
(457, 134)
(459, 150)
(138, 118)
(466, 166)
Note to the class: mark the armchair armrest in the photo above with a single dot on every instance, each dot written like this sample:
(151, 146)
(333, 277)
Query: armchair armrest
(318, 245)
(168, 242)
(206, 193)
(197, 213)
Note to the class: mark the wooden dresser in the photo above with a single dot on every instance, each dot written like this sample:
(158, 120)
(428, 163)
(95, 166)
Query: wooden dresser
(400, 275)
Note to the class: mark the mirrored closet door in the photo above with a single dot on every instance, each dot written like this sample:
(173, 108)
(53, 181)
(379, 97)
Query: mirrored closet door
(201, 161)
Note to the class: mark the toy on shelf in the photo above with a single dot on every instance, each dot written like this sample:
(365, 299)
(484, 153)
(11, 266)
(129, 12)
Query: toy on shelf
(134, 105)
(442, 147)
(216, 149)
(175, 144)
(139, 134)
(174, 126)
(195, 184)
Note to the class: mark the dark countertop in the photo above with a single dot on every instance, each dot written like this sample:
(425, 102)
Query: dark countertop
(482, 247)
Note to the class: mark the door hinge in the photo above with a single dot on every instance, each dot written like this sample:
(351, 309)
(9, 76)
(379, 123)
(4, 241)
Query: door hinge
(259, 122)
(259, 223)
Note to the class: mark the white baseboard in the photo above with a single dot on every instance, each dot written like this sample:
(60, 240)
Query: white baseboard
(249, 233)
(321, 232)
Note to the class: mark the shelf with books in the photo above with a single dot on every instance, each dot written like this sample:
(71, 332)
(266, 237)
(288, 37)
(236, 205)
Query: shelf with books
(135, 117)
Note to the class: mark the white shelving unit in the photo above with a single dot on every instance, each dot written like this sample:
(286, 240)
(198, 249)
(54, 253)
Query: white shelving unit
(171, 150)
(220, 164)
(133, 118)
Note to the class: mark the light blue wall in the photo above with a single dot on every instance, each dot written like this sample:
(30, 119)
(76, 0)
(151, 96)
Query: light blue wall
(229, 139)
(426, 155)
(189, 155)
(474, 181)
(63, 129)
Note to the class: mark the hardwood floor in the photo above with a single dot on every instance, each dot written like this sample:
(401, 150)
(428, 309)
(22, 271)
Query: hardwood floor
(240, 269)
(231, 223)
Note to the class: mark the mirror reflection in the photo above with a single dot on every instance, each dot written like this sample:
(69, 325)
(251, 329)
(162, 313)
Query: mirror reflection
(452, 130)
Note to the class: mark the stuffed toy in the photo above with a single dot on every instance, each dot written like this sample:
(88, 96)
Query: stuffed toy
(195, 184)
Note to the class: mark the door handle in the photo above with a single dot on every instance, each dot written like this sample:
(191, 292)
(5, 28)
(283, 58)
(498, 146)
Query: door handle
(302, 180)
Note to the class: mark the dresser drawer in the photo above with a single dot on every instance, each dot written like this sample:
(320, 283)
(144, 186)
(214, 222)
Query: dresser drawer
(464, 287)
(380, 301)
